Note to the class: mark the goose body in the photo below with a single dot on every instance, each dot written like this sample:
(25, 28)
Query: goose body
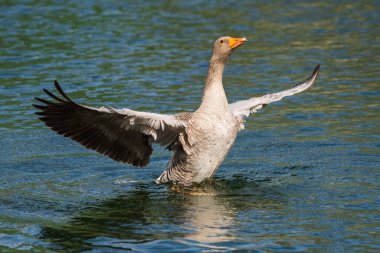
(212, 135)
(199, 140)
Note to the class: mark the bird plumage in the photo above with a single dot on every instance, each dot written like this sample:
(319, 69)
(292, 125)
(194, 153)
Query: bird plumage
(199, 140)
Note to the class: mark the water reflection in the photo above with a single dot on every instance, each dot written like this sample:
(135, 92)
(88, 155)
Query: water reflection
(210, 218)
(201, 215)
(207, 215)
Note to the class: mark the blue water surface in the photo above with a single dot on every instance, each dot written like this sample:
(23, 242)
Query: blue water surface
(303, 176)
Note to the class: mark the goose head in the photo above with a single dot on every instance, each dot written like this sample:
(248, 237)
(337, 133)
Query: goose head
(224, 46)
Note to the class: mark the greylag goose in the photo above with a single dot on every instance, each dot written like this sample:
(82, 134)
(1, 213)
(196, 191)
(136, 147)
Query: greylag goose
(199, 140)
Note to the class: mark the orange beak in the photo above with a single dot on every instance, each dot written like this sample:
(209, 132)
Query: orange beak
(236, 42)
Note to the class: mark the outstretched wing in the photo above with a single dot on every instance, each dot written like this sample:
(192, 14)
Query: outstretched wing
(244, 108)
(124, 135)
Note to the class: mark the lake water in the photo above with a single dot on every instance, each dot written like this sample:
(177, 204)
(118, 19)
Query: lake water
(303, 177)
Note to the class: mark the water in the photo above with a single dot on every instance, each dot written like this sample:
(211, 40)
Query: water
(303, 177)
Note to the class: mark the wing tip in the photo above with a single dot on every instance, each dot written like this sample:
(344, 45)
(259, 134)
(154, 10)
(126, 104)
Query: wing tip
(316, 70)
(60, 90)
(315, 73)
(40, 107)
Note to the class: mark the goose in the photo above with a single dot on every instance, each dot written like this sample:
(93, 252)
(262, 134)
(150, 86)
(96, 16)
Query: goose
(199, 140)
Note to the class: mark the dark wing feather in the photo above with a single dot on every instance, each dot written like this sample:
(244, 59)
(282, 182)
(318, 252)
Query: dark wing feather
(123, 135)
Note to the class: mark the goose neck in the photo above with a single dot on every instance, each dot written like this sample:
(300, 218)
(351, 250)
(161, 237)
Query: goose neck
(214, 96)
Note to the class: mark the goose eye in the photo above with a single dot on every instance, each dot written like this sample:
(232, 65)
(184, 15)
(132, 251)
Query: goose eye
(221, 41)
